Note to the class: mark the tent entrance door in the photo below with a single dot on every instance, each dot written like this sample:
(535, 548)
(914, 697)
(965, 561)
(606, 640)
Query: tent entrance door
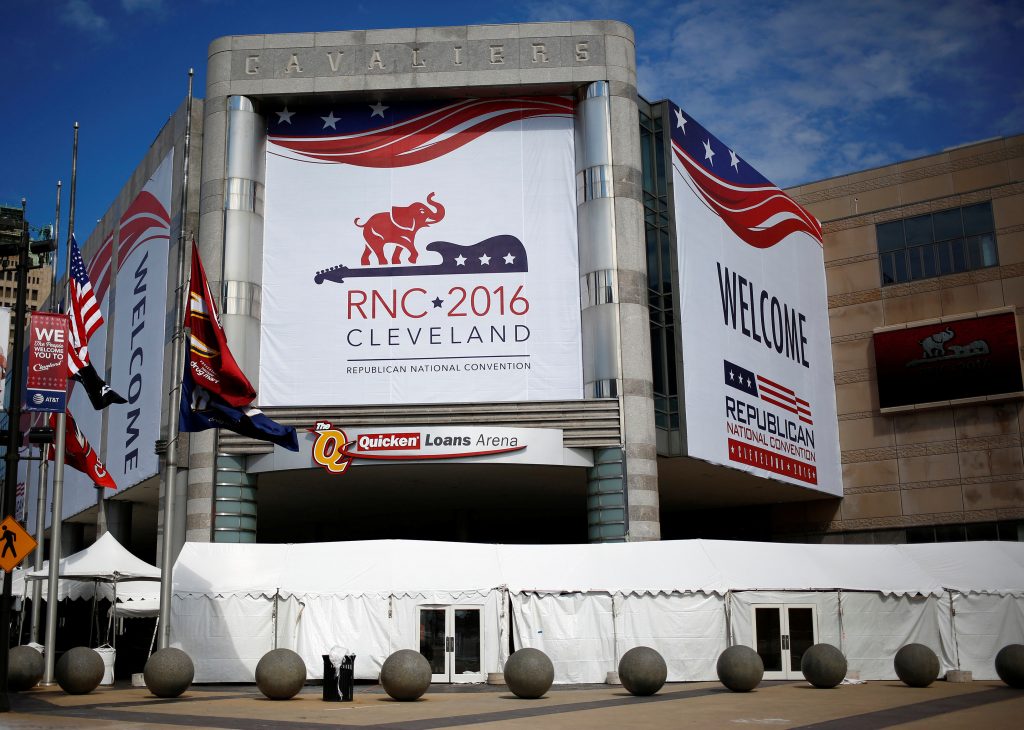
(450, 639)
(782, 633)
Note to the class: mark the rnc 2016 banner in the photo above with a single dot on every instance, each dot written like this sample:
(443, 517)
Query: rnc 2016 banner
(757, 355)
(419, 253)
(140, 310)
(974, 357)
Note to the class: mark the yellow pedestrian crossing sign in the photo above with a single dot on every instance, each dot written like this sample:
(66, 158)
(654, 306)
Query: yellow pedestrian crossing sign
(15, 544)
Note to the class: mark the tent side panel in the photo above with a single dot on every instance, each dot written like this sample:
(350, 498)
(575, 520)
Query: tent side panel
(688, 630)
(574, 629)
(359, 624)
(226, 636)
(985, 623)
(877, 626)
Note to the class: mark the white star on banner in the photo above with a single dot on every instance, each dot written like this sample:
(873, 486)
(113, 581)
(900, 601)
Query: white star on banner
(285, 116)
(330, 120)
(734, 161)
(709, 153)
(510, 259)
(460, 260)
(680, 121)
(378, 110)
(485, 260)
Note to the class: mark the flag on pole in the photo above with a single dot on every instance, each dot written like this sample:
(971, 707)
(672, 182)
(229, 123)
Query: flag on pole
(210, 361)
(78, 454)
(86, 318)
(214, 391)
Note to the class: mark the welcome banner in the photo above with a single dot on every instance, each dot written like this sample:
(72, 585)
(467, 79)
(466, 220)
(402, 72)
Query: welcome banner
(757, 354)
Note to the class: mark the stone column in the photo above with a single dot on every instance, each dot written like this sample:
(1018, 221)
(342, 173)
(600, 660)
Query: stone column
(622, 489)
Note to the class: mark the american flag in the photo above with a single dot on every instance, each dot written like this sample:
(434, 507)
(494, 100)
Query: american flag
(756, 210)
(768, 390)
(85, 313)
(398, 135)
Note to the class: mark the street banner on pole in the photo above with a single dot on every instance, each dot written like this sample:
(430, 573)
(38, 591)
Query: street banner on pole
(5, 338)
(47, 379)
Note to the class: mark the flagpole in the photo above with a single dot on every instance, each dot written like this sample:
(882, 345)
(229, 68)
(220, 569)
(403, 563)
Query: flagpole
(174, 397)
(56, 519)
(37, 586)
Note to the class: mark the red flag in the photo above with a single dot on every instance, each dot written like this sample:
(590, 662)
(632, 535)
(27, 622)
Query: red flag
(209, 359)
(78, 454)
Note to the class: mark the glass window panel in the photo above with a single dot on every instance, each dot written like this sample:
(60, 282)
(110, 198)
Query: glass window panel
(947, 224)
(900, 264)
(945, 258)
(467, 641)
(928, 256)
(916, 269)
(973, 253)
(888, 269)
(769, 637)
(657, 365)
(978, 218)
(987, 250)
(918, 230)
(432, 638)
(949, 533)
(890, 236)
(801, 635)
(983, 531)
(959, 255)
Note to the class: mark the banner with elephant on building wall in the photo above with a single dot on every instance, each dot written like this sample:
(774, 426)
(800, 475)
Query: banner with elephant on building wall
(421, 253)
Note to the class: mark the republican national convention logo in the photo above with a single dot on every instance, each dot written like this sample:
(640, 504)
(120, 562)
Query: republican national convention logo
(391, 235)
(334, 450)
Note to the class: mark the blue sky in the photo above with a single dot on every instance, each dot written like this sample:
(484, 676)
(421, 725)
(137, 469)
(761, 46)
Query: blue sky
(804, 90)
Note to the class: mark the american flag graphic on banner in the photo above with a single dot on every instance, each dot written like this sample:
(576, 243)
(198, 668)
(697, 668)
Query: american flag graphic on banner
(767, 390)
(84, 310)
(377, 135)
(752, 207)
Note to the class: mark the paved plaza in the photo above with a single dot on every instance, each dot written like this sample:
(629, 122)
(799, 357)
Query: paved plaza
(883, 704)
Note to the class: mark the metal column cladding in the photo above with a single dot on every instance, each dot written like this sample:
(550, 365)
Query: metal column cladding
(596, 225)
(243, 232)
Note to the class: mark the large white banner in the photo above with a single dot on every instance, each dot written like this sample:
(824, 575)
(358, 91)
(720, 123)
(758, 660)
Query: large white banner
(757, 355)
(140, 310)
(421, 254)
(79, 490)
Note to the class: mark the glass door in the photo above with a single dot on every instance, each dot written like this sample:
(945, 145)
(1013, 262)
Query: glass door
(782, 633)
(451, 640)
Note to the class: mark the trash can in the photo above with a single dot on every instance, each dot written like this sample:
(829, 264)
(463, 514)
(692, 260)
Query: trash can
(108, 655)
(339, 682)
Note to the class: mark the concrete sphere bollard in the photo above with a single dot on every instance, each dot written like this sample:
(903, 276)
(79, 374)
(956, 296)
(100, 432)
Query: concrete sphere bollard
(24, 669)
(1009, 665)
(405, 675)
(280, 674)
(823, 665)
(168, 672)
(529, 673)
(740, 668)
(916, 665)
(642, 671)
(79, 671)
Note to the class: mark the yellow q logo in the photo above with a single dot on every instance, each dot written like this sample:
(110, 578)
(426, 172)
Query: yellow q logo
(329, 449)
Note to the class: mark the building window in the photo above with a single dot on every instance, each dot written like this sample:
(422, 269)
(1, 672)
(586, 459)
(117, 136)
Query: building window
(937, 244)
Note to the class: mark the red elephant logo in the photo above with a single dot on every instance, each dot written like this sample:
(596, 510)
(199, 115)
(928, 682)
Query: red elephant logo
(398, 227)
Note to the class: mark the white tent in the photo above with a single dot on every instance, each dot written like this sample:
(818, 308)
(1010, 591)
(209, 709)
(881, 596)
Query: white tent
(585, 605)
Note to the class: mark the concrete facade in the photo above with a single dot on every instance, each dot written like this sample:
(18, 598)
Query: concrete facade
(950, 467)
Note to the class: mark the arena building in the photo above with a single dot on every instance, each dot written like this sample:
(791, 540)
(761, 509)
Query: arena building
(505, 299)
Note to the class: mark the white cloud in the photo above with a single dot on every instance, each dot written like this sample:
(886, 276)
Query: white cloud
(80, 15)
(807, 89)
